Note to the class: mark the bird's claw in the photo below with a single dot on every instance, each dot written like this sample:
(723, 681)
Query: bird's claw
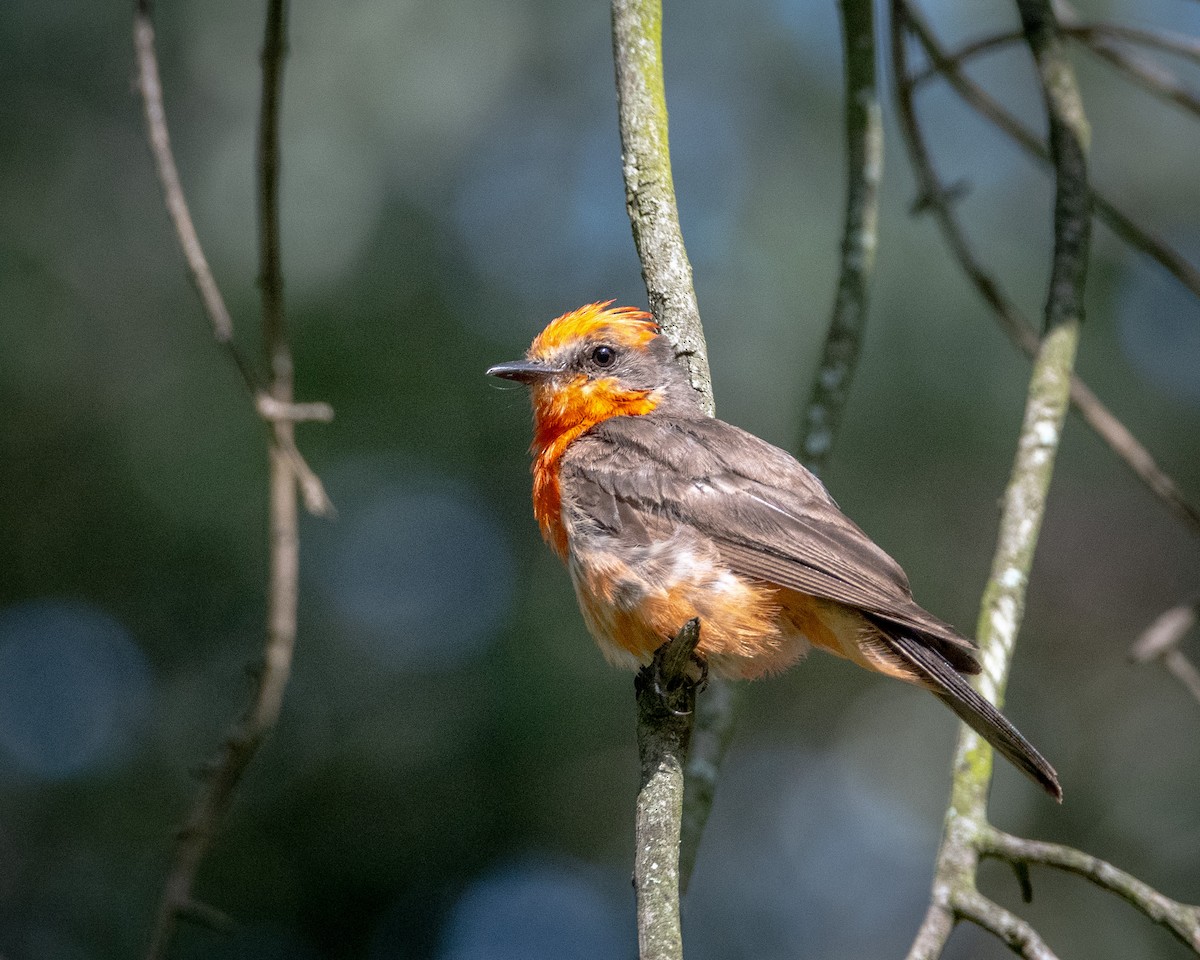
(696, 676)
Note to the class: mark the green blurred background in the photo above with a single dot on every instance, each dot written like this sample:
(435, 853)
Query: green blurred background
(454, 772)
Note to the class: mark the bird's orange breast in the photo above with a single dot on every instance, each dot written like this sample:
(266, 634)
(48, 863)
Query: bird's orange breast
(561, 414)
(633, 603)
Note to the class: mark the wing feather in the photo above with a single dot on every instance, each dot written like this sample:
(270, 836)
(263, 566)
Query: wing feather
(770, 518)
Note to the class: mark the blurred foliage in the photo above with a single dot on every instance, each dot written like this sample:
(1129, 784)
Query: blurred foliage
(454, 772)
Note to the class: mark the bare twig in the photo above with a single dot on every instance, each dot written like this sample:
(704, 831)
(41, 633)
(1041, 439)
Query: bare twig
(1069, 140)
(666, 698)
(1020, 936)
(716, 712)
(270, 276)
(150, 88)
(958, 58)
(269, 408)
(864, 168)
(1152, 246)
(1164, 40)
(1153, 76)
(1183, 920)
(1161, 640)
(654, 217)
(937, 198)
(1085, 33)
(288, 470)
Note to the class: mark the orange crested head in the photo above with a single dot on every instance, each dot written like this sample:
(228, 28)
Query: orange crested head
(629, 325)
(587, 366)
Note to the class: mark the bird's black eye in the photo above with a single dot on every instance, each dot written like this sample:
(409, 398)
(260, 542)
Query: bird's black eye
(604, 355)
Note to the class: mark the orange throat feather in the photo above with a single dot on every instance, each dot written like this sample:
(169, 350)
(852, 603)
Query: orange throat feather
(561, 414)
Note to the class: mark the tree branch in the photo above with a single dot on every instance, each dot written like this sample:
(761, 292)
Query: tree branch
(650, 186)
(1154, 77)
(1020, 936)
(666, 699)
(938, 199)
(1163, 40)
(269, 408)
(1003, 602)
(1161, 640)
(1181, 919)
(1085, 33)
(288, 470)
(654, 217)
(158, 137)
(987, 107)
(968, 835)
(864, 168)
(935, 929)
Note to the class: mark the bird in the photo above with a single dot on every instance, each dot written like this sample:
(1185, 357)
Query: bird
(663, 513)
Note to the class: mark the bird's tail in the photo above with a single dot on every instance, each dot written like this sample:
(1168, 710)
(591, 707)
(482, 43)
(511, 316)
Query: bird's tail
(948, 685)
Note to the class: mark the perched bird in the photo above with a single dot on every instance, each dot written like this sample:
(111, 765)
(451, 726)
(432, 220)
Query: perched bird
(663, 513)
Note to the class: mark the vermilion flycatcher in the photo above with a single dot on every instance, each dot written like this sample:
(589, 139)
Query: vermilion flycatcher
(663, 513)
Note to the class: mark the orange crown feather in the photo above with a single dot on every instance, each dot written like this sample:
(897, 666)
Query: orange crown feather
(629, 325)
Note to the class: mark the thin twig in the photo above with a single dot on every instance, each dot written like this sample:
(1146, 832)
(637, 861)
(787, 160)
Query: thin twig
(157, 135)
(986, 106)
(270, 270)
(1069, 139)
(864, 169)
(1020, 936)
(666, 699)
(1183, 920)
(1160, 641)
(1156, 78)
(277, 407)
(654, 217)
(1085, 33)
(269, 408)
(1179, 44)
(957, 59)
(937, 198)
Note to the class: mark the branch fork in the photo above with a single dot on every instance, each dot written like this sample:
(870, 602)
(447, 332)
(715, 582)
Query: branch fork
(289, 472)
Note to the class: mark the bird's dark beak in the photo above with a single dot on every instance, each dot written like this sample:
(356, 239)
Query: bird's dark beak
(523, 371)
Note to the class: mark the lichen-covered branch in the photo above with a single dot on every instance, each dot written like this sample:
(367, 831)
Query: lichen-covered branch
(954, 894)
(864, 168)
(650, 186)
(666, 699)
(654, 217)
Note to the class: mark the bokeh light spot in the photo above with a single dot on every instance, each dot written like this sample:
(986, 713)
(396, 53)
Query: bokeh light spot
(534, 910)
(73, 688)
(1159, 324)
(422, 578)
